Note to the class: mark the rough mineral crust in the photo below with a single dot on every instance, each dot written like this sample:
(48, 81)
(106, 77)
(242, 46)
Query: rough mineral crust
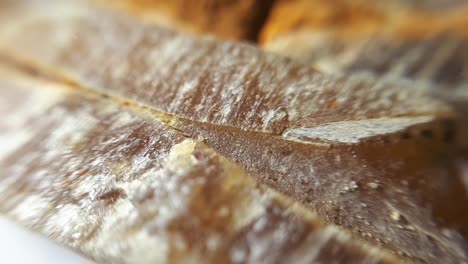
(371, 156)
(113, 182)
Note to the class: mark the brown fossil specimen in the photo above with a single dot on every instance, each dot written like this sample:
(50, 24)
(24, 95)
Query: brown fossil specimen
(370, 156)
(113, 182)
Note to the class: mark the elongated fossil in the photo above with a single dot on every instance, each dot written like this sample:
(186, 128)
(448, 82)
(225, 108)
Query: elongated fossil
(118, 185)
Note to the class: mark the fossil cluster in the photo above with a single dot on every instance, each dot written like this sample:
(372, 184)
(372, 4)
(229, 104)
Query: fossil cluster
(152, 132)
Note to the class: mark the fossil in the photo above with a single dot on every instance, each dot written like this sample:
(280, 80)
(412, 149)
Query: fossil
(116, 184)
(368, 155)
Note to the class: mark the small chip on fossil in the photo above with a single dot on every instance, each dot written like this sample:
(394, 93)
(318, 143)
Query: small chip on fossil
(373, 185)
(395, 215)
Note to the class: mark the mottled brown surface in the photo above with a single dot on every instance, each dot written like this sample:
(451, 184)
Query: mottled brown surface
(372, 156)
(121, 187)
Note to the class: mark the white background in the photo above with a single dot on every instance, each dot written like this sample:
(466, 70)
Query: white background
(19, 246)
